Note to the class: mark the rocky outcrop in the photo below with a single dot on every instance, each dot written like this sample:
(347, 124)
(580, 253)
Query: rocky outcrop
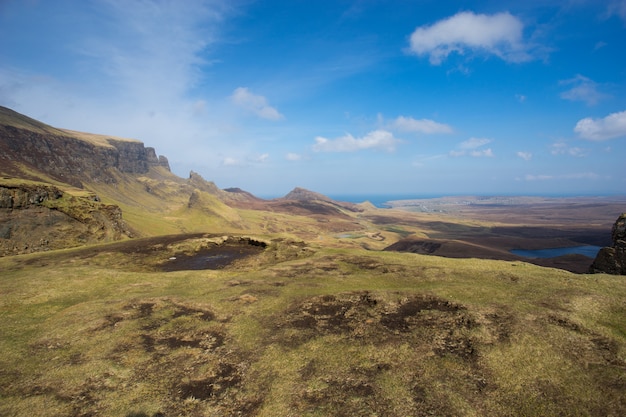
(27, 195)
(38, 217)
(612, 260)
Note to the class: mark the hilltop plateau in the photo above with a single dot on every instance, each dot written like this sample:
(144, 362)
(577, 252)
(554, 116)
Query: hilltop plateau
(126, 290)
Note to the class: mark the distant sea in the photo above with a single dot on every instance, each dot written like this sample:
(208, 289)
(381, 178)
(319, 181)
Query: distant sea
(379, 200)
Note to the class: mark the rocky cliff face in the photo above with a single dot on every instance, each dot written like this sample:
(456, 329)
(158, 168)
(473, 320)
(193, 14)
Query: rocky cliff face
(25, 196)
(612, 260)
(70, 159)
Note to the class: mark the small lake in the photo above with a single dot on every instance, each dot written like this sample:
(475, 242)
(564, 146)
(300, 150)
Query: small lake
(588, 251)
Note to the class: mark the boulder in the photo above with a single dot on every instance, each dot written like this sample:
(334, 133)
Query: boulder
(612, 260)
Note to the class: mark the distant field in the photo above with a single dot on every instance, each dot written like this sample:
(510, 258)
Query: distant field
(490, 227)
(580, 211)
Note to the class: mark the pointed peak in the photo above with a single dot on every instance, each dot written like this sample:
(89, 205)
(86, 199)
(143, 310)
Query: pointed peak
(303, 194)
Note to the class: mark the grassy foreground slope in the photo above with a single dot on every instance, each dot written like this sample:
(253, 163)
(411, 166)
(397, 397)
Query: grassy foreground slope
(306, 330)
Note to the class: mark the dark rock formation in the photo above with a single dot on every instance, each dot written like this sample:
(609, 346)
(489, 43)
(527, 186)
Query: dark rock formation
(37, 217)
(27, 195)
(612, 260)
(423, 247)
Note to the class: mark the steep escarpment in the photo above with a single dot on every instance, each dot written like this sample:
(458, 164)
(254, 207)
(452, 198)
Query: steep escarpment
(30, 149)
(612, 259)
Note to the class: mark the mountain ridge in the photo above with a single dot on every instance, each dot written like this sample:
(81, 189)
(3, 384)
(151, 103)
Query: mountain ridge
(96, 172)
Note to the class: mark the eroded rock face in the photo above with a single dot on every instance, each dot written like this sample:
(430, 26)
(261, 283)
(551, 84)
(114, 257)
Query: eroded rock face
(612, 260)
(25, 196)
(36, 217)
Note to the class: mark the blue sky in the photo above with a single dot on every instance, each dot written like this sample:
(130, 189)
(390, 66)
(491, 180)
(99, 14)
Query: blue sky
(341, 97)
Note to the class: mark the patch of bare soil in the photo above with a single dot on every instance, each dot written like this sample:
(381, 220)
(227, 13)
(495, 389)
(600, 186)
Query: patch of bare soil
(440, 332)
(432, 326)
(365, 316)
(181, 350)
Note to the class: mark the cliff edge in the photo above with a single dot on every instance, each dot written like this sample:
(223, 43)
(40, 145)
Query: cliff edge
(612, 259)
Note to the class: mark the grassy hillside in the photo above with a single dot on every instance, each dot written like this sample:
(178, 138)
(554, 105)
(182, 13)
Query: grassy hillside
(305, 330)
(221, 303)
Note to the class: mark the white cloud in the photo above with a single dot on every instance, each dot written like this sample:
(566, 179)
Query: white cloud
(609, 127)
(426, 126)
(526, 156)
(520, 97)
(531, 177)
(562, 148)
(470, 147)
(228, 161)
(378, 139)
(293, 156)
(488, 153)
(583, 89)
(473, 143)
(574, 176)
(499, 34)
(255, 103)
(260, 158)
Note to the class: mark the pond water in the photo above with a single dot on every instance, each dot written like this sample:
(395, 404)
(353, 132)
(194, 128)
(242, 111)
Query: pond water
(588, 251)
(216, 257)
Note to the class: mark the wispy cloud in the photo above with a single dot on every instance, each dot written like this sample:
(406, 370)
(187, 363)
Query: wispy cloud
(480, 153)
(562, 148)
(609, 127)
(499, 34)
(618, 8)
(131, 70)
(582, 89)
(526, 156)
(151, 50)
(425, 126)
(260, 158)
(293, 156)
(378, 139)
(574, 176)
(255, 104)
(245, 160)
(229, 162)
(473, 143)
(471, 147)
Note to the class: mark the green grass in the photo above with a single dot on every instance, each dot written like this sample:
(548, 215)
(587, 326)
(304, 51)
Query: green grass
(84, 336)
